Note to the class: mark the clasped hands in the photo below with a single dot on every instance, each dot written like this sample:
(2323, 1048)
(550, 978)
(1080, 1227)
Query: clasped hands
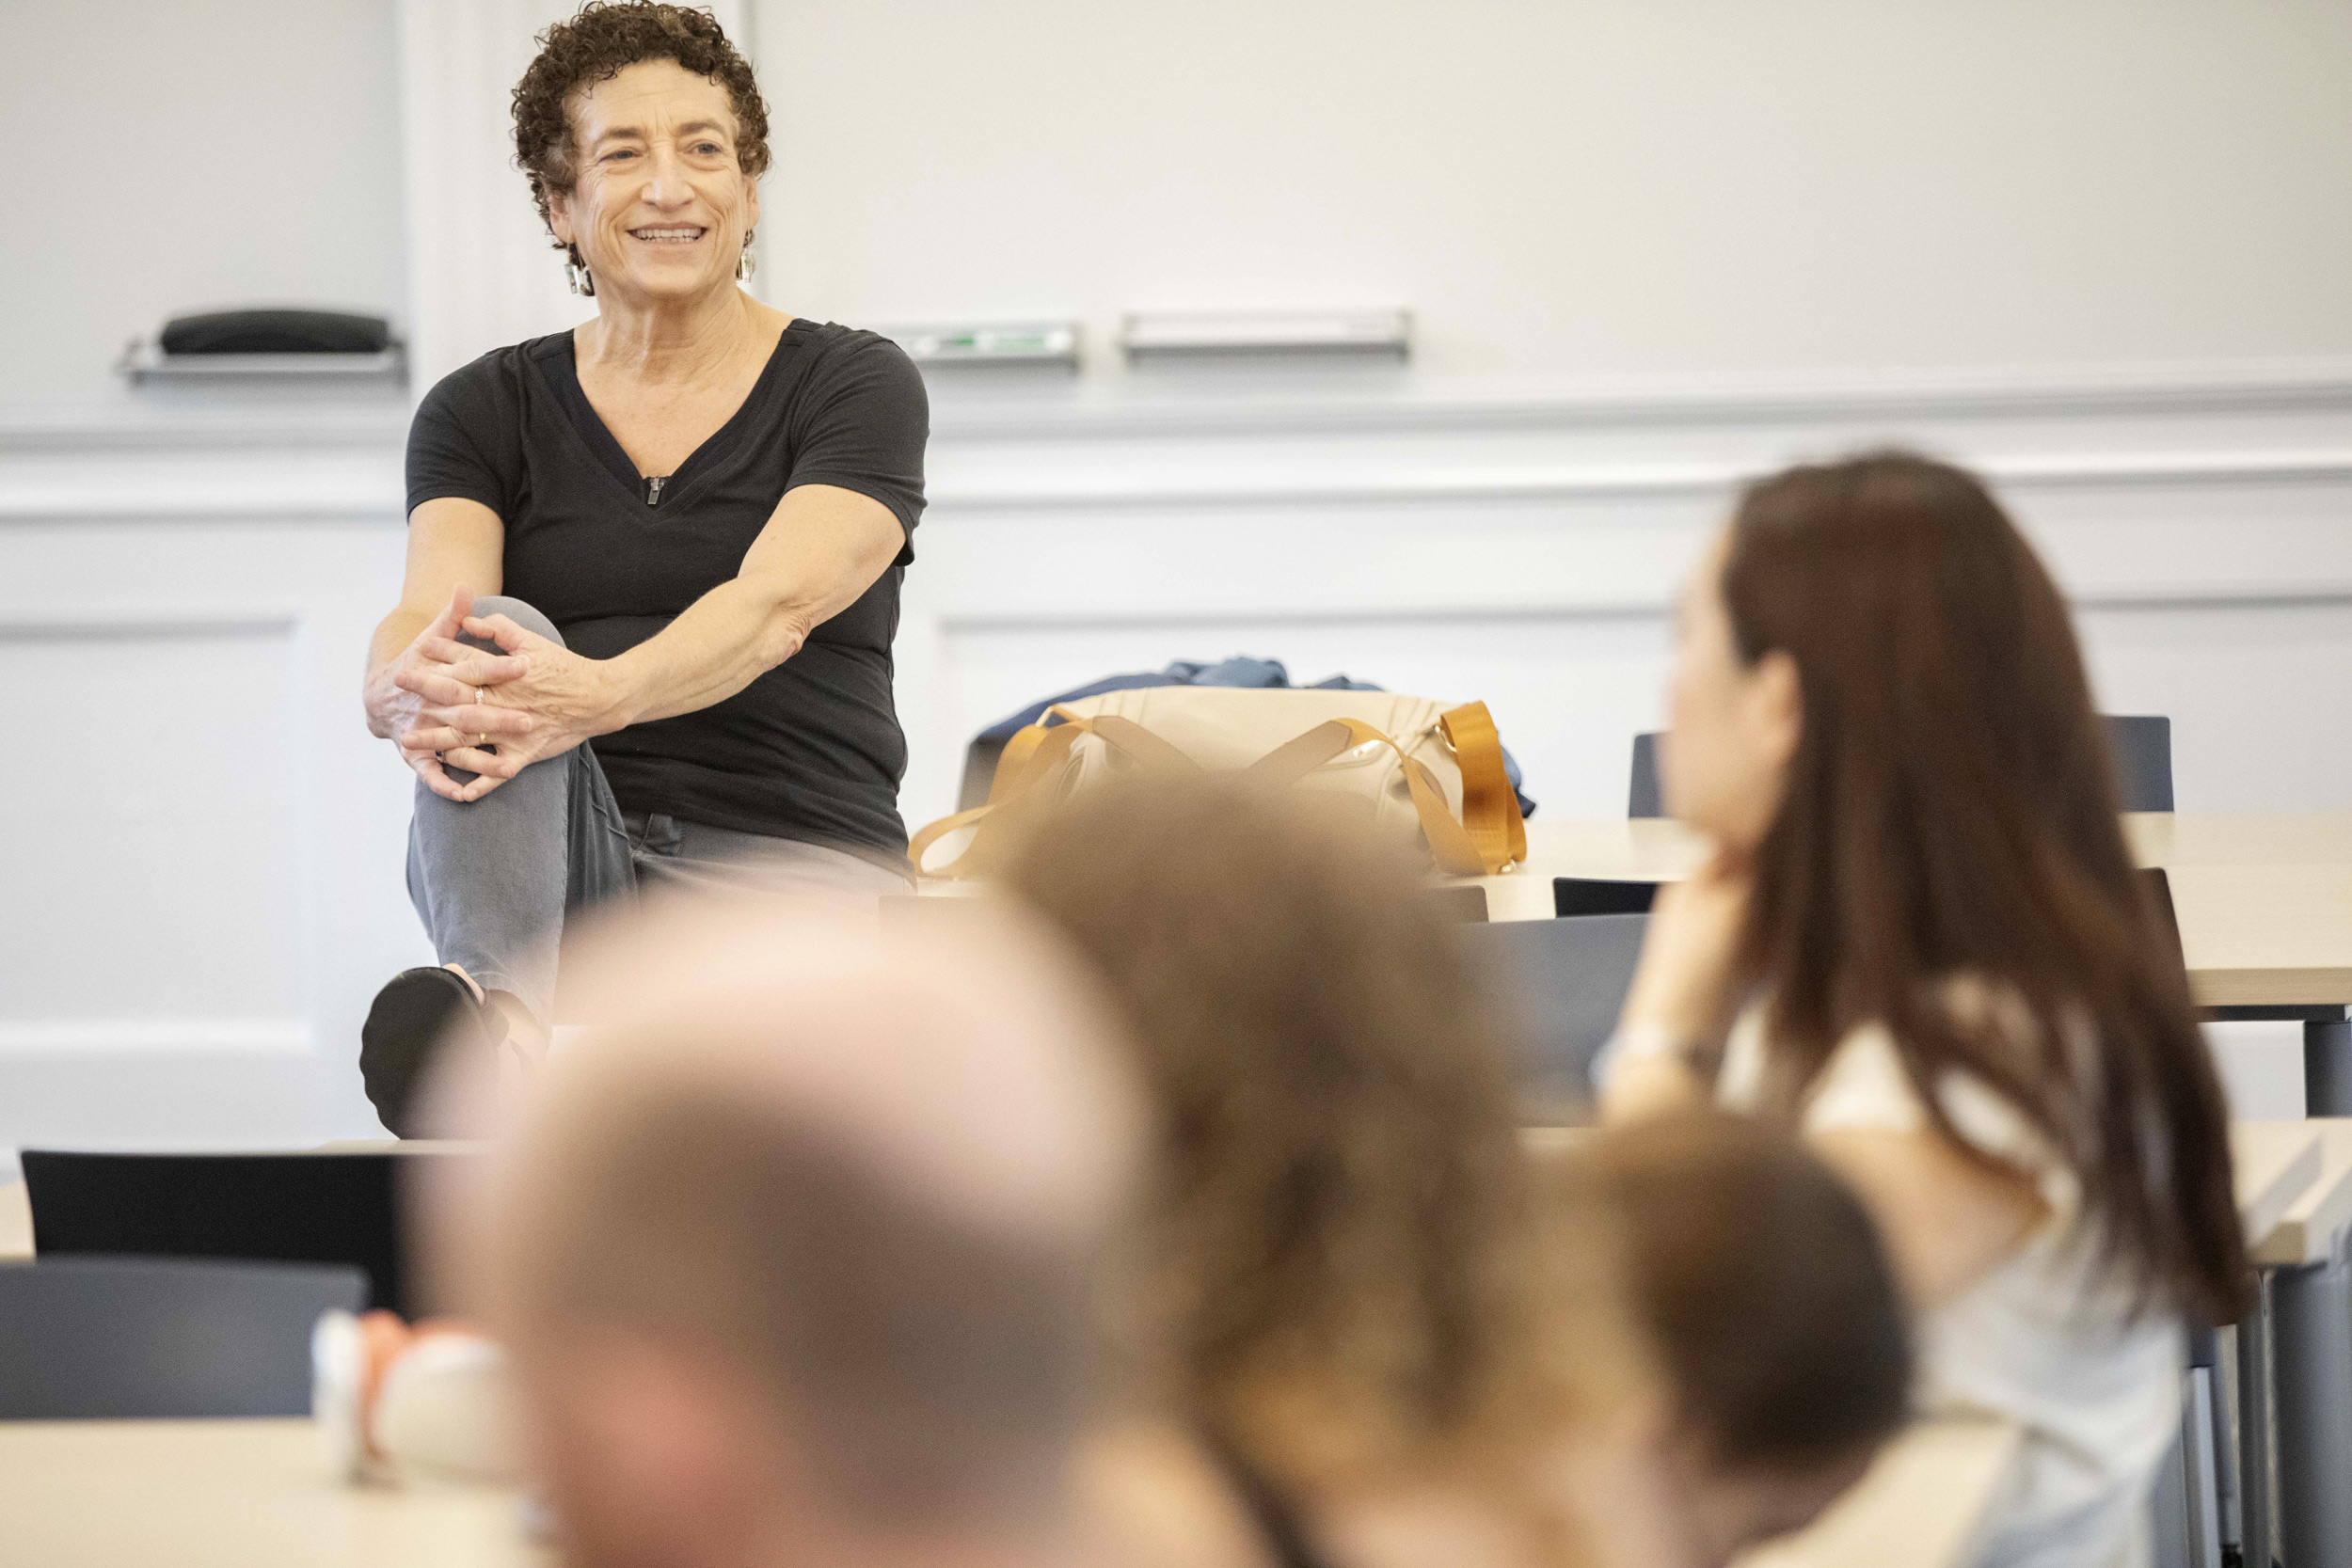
(490, 713)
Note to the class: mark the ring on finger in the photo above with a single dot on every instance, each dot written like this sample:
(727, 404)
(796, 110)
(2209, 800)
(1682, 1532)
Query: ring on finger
(477, 693)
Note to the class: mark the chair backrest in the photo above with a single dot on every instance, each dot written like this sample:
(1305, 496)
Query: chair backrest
(263, 1208)
(1643, 798)
(1582, 896)
(1564, 981)
(132, 1338)
(2141, 745)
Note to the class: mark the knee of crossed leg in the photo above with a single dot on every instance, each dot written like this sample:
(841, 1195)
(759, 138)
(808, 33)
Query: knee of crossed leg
(521, 612)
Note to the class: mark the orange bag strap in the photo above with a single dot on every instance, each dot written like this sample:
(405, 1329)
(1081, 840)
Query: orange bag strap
(932, 832)
(1301, 754)
(1456, 852)
(1141, 745)
(1490, 807)
(1014, 757)
(1035, 753)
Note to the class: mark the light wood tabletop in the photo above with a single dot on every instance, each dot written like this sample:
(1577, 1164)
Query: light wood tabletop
(2264, 902)
(1920, 1504)
(253, 1493)
(2276, 1163)
(2307, 1231)
(16, 1221)
(257, 1494)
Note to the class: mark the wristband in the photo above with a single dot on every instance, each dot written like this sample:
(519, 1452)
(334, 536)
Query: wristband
(1640, 1042)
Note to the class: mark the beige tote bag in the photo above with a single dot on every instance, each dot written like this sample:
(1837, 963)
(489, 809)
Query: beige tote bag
(1423, 766)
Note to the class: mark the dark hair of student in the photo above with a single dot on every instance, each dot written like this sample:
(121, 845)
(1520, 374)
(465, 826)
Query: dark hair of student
(1761, 1281)
(1951, 812)
(1342, 1263)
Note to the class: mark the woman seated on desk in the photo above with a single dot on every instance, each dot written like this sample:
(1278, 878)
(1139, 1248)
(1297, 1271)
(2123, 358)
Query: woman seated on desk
(676, 532)
(1921, 941)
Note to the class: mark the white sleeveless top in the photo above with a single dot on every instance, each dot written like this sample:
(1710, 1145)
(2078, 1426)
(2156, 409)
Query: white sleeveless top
(2042, 1338)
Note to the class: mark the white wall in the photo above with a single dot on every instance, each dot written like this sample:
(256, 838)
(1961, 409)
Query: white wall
(1650, 247)
(171, 156)
(1585, 188)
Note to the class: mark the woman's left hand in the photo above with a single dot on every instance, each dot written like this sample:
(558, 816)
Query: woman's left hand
(569, 699)
(1682, 987)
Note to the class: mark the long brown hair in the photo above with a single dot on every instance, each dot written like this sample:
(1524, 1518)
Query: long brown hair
(1951, 815)
(1343, 1262)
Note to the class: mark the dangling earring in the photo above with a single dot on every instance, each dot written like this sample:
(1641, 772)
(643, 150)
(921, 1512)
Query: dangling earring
(744, 265)
(576, 274)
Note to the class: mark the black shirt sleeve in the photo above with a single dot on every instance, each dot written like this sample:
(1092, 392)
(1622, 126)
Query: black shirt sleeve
(864, 427)
(461, 432)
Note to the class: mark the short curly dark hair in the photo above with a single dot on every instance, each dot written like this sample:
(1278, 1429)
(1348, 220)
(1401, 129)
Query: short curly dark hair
(605, 39)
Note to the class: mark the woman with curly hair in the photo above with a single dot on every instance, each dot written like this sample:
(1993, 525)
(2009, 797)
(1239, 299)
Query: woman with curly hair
(1365, 1332)
(653, 561)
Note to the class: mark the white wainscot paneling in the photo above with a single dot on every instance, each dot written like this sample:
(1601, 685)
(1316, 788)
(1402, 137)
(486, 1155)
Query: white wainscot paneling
(235, 879)
(1525, 548)
(151, 888)
(2260, 696)
(204, 890)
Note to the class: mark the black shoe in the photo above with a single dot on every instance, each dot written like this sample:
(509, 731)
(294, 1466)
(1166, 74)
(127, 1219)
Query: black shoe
(414, 1013)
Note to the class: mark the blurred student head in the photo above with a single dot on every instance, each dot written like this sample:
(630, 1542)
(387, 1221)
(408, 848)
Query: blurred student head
(797, 1254)
(1879, 706)
(1772, 1307)
(1341, 1258)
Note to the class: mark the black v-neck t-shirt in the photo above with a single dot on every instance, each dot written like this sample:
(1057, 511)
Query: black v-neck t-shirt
(811, 749)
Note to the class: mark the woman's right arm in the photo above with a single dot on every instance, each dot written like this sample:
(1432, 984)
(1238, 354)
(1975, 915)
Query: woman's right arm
(1681, 1001)
(456, 550)
(453, 543)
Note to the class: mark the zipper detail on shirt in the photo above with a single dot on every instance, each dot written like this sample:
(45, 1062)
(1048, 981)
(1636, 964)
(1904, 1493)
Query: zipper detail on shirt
(653, 489)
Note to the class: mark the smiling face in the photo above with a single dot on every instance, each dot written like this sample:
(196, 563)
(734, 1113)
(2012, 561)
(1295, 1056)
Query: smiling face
(661, 203)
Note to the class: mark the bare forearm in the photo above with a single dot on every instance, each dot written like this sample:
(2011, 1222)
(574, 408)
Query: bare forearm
(393, 634)
(723, 642)
(822, 549)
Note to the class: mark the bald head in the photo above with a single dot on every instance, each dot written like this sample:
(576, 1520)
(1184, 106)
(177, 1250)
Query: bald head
(863, 1192)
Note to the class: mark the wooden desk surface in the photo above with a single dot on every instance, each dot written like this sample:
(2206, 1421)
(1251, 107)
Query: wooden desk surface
(16, 1221)
(2276, 1163)
(256, 1495)
(2264, 902)
(230, 1495)
(2307, 1231)
(1919, 1505)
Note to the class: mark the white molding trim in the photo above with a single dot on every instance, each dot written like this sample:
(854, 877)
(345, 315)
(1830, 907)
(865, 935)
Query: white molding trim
(1247, 406)
(160, 621)
(273, 507)
(46, 431)
(83, 1039)
(1605, 483)
(347, 496)
(1626, 606)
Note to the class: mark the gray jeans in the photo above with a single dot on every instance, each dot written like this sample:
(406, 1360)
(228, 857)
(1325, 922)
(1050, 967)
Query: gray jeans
(494, 878)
